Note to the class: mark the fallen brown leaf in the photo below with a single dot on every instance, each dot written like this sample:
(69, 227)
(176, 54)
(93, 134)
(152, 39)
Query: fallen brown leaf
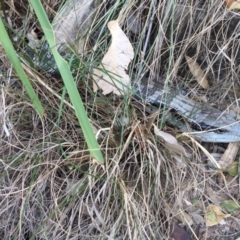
(170, 141)
(231, 4)
(229, 155)
(110, 76)
(197, 72)
(184, 218)
(214, 215)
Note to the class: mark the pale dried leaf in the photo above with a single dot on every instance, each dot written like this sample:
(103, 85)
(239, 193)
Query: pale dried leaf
(170, 141)
(187, 202)
(184, 218)
(229, 155)
(71, 24)
(166, 136)
(229, 2)
(114, 64)
(197, 72)
(234, 5)
(151, 120)
(33, 41)
(214, 215)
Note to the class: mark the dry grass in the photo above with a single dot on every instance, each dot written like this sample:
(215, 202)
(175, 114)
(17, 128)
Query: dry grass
(51, 189)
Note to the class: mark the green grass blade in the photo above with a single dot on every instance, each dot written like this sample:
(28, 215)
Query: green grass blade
(67, 77)
(12, 55)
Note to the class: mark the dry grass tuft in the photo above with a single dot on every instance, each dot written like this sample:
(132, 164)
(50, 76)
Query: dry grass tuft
(50, 188)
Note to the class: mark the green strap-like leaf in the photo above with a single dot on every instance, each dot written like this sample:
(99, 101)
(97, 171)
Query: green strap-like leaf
(12, 55)
(67, 77)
